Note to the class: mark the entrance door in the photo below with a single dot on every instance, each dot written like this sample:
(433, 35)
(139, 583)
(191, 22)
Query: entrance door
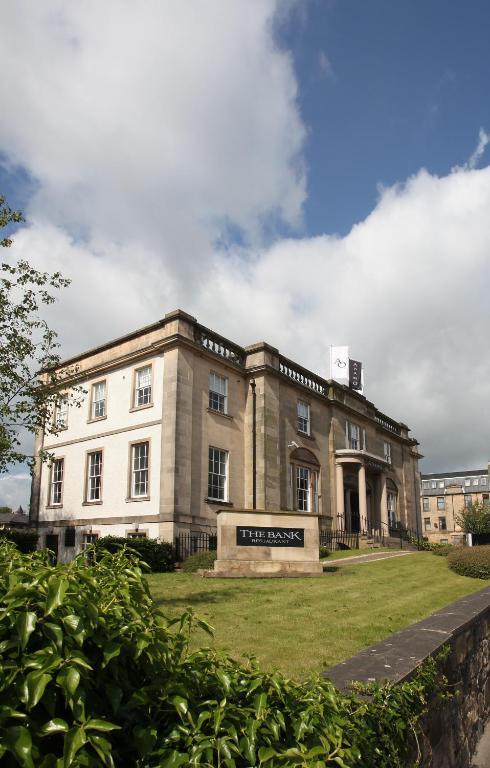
(52, 544)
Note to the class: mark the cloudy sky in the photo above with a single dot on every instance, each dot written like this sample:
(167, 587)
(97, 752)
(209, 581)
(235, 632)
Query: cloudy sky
(308, 173)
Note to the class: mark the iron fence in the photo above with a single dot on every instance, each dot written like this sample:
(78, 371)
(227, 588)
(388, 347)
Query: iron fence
(339, 540)
(187, 544)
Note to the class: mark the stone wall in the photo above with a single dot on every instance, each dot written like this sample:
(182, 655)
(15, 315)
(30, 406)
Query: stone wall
(453, 725)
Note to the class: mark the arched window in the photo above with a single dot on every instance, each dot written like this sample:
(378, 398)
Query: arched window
(304, 481)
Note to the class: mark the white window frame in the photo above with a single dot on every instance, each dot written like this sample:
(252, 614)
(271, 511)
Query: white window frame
(98, 405)
(57, 477)
(387, 452)
(143, 389)
(218, 459)
(136, 535)
(391, 505)
(353, 435)
(440, 484)
(61, 412)
(433, 484)
(483, 481)
(441, 504)
(305, 488)
(426, 484)
(94, 476)
(467, 481)
(140, 470)
(89, 538)
(303, 417)
(218, 393)
(476, 481)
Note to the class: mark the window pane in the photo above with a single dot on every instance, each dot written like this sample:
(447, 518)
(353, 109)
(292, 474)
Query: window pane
(139, 483)
(218, 391)
(98, 400)
(217, 488)
(94, 480)
(57, 481)
(143, 386)
(303, 414)
(303, 489)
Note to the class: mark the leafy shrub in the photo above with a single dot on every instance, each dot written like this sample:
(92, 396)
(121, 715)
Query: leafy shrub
(92, 674)
(443, 550)
(475, 518)
(24, 538)
(324, 551)
(201, 560)
(159, 556)
(471, 561)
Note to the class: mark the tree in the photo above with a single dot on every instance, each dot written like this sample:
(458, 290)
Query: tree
(30, 379)
(475, 518)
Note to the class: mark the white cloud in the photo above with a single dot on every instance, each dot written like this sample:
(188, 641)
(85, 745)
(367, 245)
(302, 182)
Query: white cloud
(15, 490)
(483, 140)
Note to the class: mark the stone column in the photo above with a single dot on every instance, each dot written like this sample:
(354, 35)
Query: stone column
(362, 496)
(339, 481)
(384, 505)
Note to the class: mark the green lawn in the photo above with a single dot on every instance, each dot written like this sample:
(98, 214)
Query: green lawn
(303, 625)
(339, 554)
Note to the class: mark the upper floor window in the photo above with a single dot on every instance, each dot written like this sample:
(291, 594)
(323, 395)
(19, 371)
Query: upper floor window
(467, 481)
(218, 474)
(425, 484)
(440, 484)
(94, 476)
(61, 412)
(387, 452)
(218, 393)
(483, 480)
(425, 501)
(142, 388)
(56, 485)
(441, 502)
(433, 484)
(467, 499)
(353, 436)
(98, 405)
(140, 453)
(303, 416)
(476, 481)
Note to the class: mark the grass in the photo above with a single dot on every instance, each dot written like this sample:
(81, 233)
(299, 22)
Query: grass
(306, 625)
(339, 554)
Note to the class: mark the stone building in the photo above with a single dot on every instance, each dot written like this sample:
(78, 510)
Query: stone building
(444, 495)
(176, 418)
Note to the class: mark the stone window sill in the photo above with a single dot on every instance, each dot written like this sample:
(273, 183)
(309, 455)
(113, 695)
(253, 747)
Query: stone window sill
(99, 418)
(218, 502)
(219, 413)
(91, 503)
(140, 407)
(137, 498)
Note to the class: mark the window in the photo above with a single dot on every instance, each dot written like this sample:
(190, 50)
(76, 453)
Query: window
(441, 502)
(391, 503)
(61, 413)
(427, 525)
(139, 469)
(94, 476)
(467, 481)
(142, 389)
(476, 481)
(425, 484)
(98, 407)
(443, 541)
(217, 474)
(440, 484)
(484, 497)
(353, 436)
(70, 536)
(137, 535)
(89, 538)
(426, 503)
(387, 452)
(218, 393)
(303, 414)
(306, 489)
(483, 480)
(433, 484)
(442, 524)
(467, 499)
(56, 493)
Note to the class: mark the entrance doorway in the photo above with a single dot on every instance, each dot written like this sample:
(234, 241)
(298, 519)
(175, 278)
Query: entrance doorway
(52, 544)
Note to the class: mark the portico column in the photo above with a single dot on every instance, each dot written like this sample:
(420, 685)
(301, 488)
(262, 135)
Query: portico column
(362, 496)
(384, 504)
(339, 481)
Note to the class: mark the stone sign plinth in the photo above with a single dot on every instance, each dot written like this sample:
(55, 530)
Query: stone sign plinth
(260, 543)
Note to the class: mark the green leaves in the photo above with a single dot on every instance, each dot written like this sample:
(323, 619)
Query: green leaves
(25, 623)
(56, 593)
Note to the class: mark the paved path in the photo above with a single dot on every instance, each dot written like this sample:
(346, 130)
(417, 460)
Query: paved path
(482, 756)
(372, 557)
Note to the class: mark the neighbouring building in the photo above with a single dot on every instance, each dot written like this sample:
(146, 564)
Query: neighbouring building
(444, 495)
(165, 437)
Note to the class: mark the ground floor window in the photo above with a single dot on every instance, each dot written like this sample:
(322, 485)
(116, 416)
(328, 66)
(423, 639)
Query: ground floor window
(391, 503)
(427, 525)
(306, 489)
(218, 474)
(137, 535)
(442, 524)
(89, 538)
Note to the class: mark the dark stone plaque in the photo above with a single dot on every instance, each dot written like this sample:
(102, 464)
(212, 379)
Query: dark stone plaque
(260, 536)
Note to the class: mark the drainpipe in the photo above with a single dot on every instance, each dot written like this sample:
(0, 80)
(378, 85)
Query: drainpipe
(254, 444)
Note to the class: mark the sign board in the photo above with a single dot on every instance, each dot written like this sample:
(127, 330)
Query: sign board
(261, 536)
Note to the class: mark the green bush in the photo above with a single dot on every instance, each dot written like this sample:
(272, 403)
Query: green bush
(24, 538)
(324, 551)
(159, 556)
(443, 550)
(471, 561)
(201, 560)
(93, 674)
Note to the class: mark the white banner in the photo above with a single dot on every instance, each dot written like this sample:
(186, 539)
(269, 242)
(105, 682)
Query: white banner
(339, 364)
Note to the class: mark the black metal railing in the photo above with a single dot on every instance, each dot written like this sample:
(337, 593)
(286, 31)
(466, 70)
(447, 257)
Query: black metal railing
(334, 540)
(187, 544)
